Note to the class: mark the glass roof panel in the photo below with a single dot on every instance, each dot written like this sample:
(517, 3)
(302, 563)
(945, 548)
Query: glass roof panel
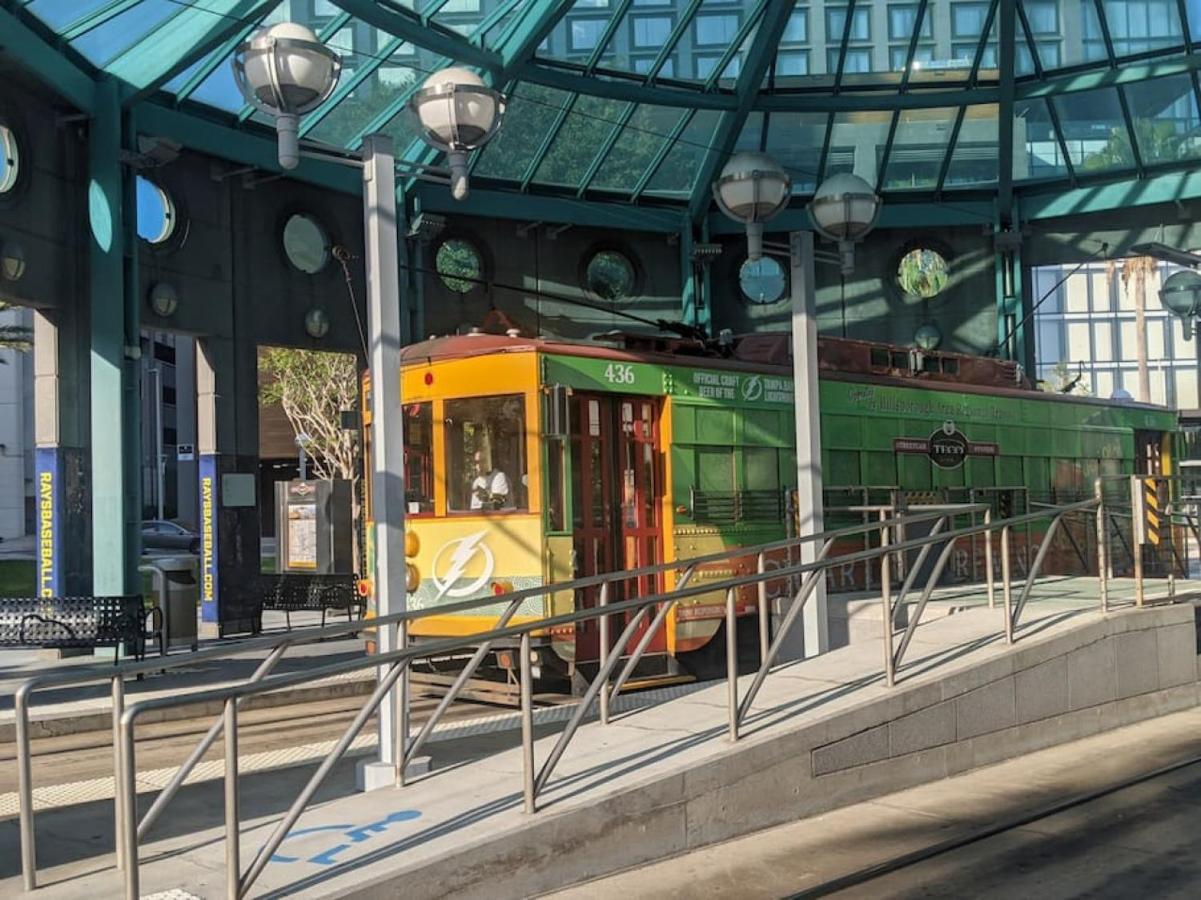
(463, 16)
(641, 141)
(795, 141)
(389, 82)
(956, 35)
(58, 14)
(1036, 150)
(919, 147)
(974, 157)
(106, 42)
(532, 112)
(1166, 123)
(175, 85)
(1091, 46)
(1094, 130)
(856, 143)
(575, 146)
(677, 173)
(579, 33)
(220, 90)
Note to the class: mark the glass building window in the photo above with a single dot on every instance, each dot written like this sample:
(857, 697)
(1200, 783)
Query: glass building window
(836, 19)
(306, 244)
(459, 265)
(486, 466)
(610, 275)
(1136, 26)
(155, 212)
(792, 62)
(1048, 54)
(901, 20)
(1043, 16)
(797, 29)
(10, 160)
(762, 281)
(651, 31)
(967, 19)
(715, 30)
(858, 61)
(585, 33)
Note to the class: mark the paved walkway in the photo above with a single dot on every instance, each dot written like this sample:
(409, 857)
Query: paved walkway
(349, 839)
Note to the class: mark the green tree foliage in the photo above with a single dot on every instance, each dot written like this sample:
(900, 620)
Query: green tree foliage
(1062, 380)
(13, 337)
(459, 258)
(1158, 142)
(922, 273)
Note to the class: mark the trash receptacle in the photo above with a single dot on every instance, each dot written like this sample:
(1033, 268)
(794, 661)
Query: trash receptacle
(178, 597)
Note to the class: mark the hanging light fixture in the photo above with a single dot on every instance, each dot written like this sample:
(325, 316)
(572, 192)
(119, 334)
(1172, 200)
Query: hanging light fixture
(844, 210)
(286, 72)
(457, 113)
(751, 189)
(1181, 296)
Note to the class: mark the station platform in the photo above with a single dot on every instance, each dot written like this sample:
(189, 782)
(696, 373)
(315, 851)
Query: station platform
(664, 778)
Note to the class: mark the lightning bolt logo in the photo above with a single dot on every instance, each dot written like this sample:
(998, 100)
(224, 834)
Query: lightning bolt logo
(463, 552)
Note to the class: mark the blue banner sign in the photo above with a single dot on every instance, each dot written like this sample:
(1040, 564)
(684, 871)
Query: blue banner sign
(208, 537)
(48, 477)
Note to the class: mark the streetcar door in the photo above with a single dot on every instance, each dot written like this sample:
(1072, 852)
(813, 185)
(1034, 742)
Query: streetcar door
(616, 488)
(1148, 453)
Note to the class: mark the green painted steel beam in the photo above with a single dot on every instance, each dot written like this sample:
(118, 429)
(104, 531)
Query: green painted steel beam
(1126, 73)
(347, 85)
(185, 37)
(220, 57)
(661, 154)
(224, 41)
(1007, 63)
(673, 40)
(735, 45)
(115, 451)
(759, 56)
(529, 29)
(1106, 196)
(893, 214)
(21, 44)
(610, 28)
(605, 149)
(566, 77)
(500, 204)
(547, 140)
(402, 23)
(241, 146)
(492, 18)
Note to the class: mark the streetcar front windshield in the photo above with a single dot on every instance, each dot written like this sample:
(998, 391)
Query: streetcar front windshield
(486, 466)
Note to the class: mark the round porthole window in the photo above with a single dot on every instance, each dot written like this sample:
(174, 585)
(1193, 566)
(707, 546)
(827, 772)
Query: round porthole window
(306, 244)
(10, 160)
(610, 275)
(762, 280)
(156, 212)
(459, 264)
(922, 273)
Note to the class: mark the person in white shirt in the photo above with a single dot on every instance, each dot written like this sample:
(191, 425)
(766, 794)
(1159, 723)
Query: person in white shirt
(490, 488)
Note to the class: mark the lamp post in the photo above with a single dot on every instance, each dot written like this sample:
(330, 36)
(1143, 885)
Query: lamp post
(457, 113)
(844, 209)
(1181, 296)
(286, 72)
(751, 189)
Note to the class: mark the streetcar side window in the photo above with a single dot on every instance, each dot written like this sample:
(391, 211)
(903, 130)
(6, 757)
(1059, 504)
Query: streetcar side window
(419, 458)
(486, 465)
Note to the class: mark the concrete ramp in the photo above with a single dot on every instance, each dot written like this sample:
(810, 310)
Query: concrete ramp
(664, 779)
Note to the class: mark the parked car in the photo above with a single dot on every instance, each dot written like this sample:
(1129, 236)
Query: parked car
(159, 534)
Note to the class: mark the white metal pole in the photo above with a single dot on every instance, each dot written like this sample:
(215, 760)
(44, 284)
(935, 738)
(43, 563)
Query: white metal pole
(387, 462)
(159, 462)
(815, 633)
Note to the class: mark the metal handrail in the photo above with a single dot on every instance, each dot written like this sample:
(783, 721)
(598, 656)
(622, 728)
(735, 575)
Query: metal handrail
(398, 660)
(278, 645)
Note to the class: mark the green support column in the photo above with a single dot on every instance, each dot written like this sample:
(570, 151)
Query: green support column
(689, 283)
(115, 448)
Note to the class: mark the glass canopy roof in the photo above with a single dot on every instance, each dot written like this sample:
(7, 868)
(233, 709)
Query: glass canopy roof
(642, 100)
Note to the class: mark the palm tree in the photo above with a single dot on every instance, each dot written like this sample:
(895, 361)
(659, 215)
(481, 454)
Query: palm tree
(1138, 269)
(13, 337)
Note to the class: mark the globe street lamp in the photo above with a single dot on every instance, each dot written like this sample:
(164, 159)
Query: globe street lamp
(457, 113)
(286, 72)
(1181, 296)
(751, 189)
(844, 209)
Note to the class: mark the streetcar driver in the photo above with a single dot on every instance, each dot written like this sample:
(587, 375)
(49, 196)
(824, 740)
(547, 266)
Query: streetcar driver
(490, 488)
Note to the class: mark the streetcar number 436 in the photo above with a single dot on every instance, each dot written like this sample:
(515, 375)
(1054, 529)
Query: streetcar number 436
(619, 374)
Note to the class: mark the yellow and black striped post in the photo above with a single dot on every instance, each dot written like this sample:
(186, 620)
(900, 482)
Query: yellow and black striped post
(1151, 508)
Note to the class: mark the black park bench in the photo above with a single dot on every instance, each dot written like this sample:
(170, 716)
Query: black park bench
(81, 622)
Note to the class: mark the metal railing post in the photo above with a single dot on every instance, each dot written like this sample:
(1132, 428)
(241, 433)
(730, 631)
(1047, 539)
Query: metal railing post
(1172, 555)
(402, 717)
(732, 660)
(927, 592)
(1102, 548)
(127, 794)
(29, 866)
(1035, 568)
(1006, 583)
(764, 636)
(886, 603)
(604, 653)
(118, 692)
(527, 726)
(988, 572)
(233, 858)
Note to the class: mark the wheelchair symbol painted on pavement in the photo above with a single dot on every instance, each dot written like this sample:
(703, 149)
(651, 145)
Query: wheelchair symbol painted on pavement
(349, 835)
